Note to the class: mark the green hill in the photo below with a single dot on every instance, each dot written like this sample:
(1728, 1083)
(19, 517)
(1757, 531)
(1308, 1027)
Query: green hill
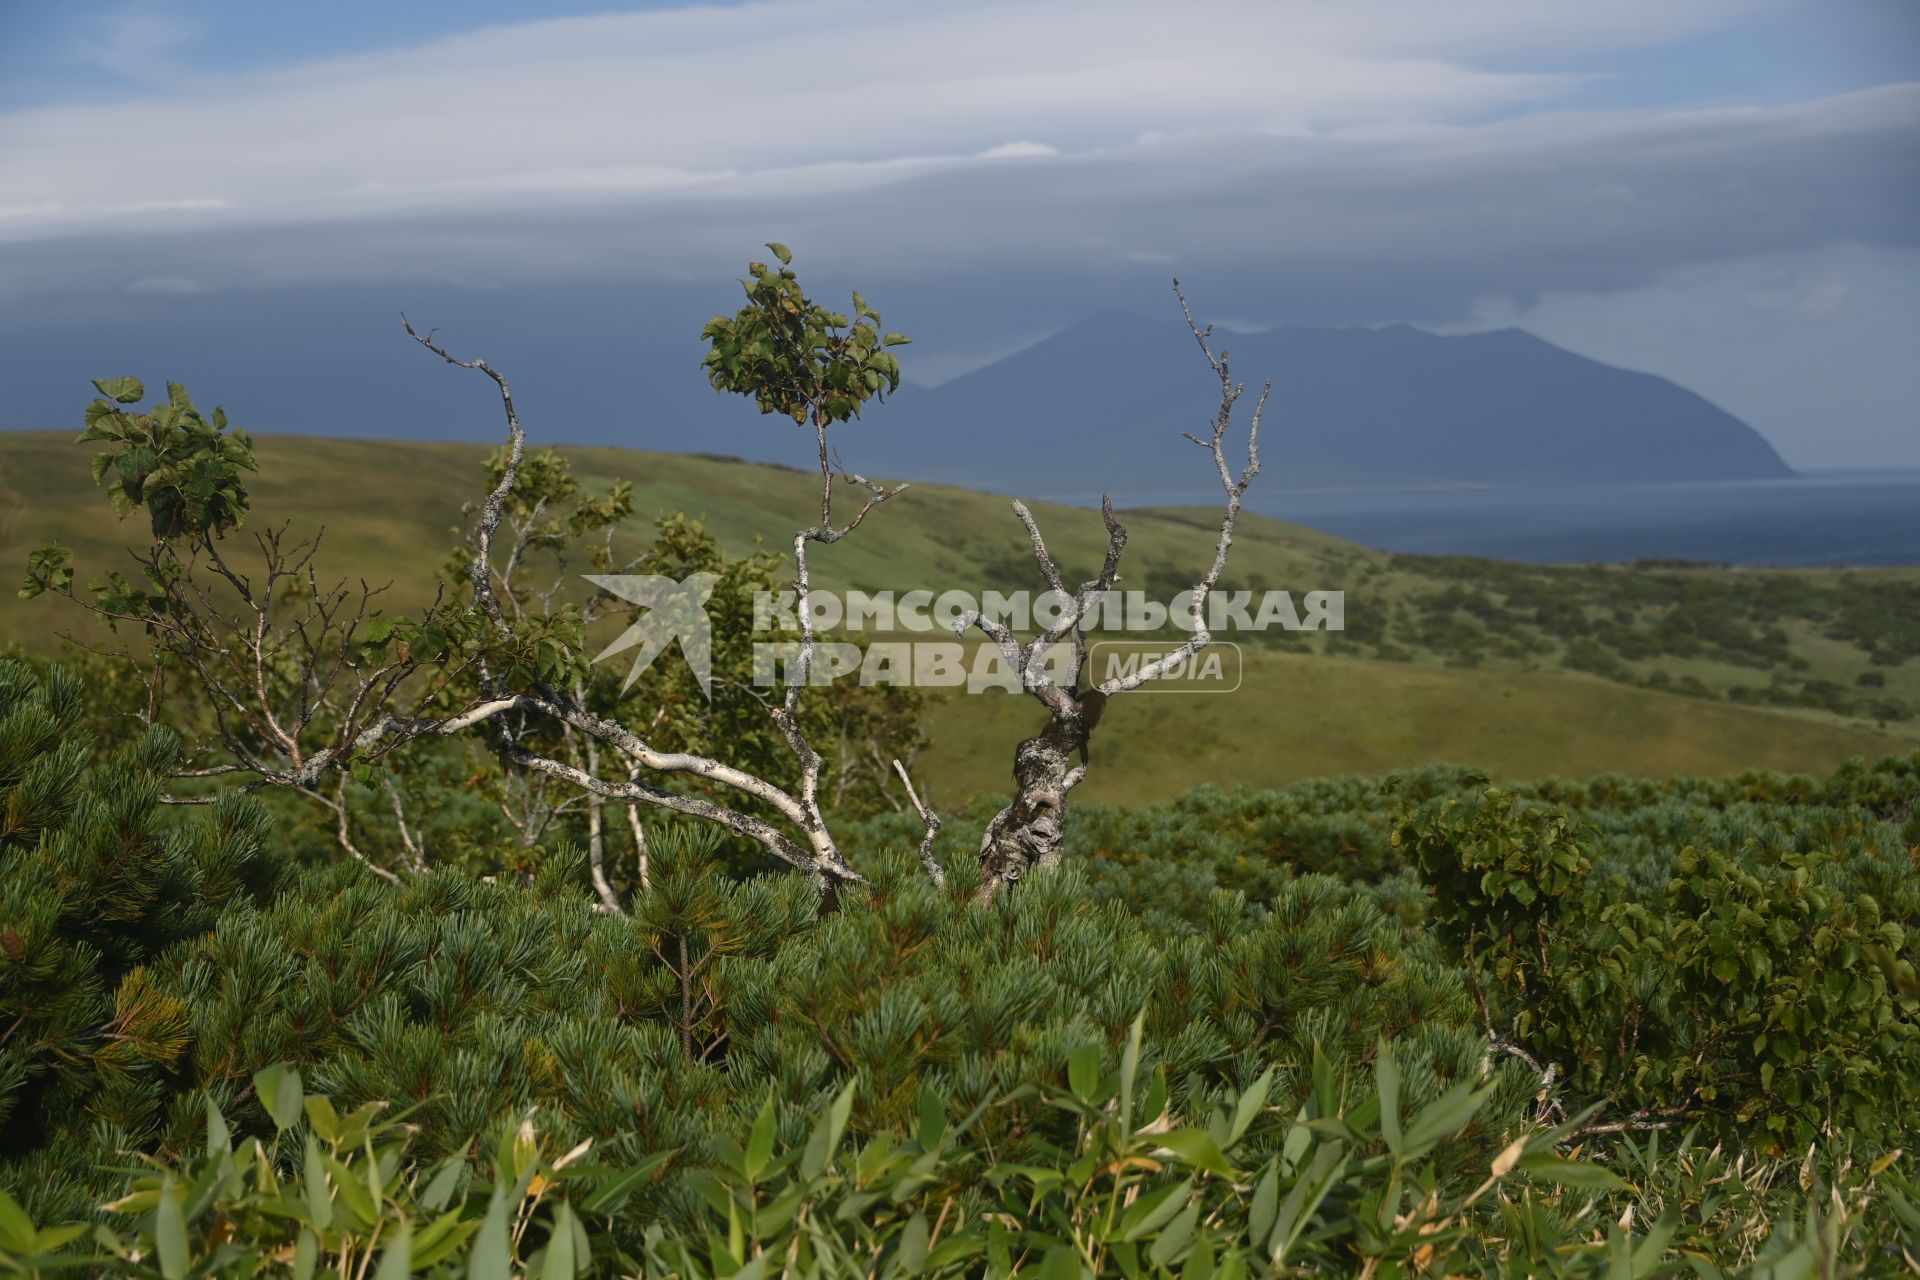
(1523, 670)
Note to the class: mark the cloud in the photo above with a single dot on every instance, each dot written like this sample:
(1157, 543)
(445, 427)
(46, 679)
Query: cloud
(642, 101)
(176, 286)
(136, 43)
(1018, 151)
(1404, 219)
(1379, 160)
(1826, 298)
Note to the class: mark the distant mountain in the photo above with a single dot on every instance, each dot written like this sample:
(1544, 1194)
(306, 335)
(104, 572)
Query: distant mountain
(1101, 406)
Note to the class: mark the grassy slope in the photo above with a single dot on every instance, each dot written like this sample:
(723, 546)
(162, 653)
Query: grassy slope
(391, 508)
(1299, 716)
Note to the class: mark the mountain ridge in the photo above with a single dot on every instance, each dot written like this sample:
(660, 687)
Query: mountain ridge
(1099, 406)
(1387, 406)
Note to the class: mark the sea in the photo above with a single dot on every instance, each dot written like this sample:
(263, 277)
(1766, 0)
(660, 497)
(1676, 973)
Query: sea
(1822, 518)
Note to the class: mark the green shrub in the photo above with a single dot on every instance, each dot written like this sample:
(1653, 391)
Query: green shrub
(1763, 990)
(470, 1001)
(94, 884)
(1340, 1179)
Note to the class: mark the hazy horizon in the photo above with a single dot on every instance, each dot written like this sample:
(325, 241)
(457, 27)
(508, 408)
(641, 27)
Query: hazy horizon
(1724, 195)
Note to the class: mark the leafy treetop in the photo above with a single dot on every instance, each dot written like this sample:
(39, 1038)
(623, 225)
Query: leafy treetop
(181, 465)
(795, 357)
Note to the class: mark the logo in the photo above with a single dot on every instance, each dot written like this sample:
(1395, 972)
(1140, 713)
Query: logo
(675, 611)
(668, 611)
(1214, 669)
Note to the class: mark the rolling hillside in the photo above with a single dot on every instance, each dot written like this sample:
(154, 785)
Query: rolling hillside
(1524, 670)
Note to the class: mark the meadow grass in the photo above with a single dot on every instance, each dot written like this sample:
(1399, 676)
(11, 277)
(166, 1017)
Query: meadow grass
(1485, 685)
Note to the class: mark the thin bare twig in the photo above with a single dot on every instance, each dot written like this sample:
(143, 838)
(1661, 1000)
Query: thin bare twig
(935, 872)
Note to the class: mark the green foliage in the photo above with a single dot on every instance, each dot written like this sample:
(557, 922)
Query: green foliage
(1766, 989)
(1128, 1190)
(1615, 621)
(94, 886)
(996, 1043)
(796, 358)
(182, 467)
(341, 1195)
(1341, 1179)
(474, 1001)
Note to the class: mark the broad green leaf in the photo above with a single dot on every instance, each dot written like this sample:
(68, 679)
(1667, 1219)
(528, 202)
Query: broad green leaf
(1171, 1241)
(396, 1260)
(52, 1239)
(1266, 1200)
(444, 1244)
(1083, 1072)
(558, 1264)
(1326, 1096)
(933, 1117)
(1130, 1068)
(1387, 1075)
(1303, 1201)
(16, 1228)
(322, 1118)
(280, 1093)
(609, 1195)
(911, 1256)
(124, 390)
(1060, 1263)
(1652, 1246)
(1199, 1264)
(1582, 1175)
(170, 1233)
(1445, 1116)
(445, 1181)
(759, 1142)
(219, 1140)
(827, 1132)
(1197, 1148)
(492, 1257)
(353, 1193)
(319, 1196)
(1154, 1210)
(1249, 1106)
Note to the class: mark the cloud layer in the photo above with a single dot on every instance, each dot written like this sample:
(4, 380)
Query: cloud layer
(1277, 135)
(1001, 167)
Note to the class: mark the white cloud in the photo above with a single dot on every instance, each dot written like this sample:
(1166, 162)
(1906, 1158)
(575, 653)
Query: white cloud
(1298, 161)
(579, 107)
(179, 286)
(1018, 151)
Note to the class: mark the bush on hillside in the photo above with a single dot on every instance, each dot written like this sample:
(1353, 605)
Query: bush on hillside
(1764, 988)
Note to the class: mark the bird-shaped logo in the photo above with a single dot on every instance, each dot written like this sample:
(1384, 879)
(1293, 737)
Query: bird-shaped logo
(674, 611)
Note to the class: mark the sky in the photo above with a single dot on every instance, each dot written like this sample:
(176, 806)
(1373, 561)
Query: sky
(1724, 192)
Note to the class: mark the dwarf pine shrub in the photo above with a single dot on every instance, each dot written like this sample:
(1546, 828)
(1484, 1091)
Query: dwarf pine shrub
(95, 883)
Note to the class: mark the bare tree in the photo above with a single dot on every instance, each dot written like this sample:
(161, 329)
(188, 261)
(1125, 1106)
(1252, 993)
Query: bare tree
(299, 695)
(813, 850)
(305, 682)
(1029, 832)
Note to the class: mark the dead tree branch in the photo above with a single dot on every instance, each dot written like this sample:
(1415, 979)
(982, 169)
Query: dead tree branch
(935, 872)
(1029, 831)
